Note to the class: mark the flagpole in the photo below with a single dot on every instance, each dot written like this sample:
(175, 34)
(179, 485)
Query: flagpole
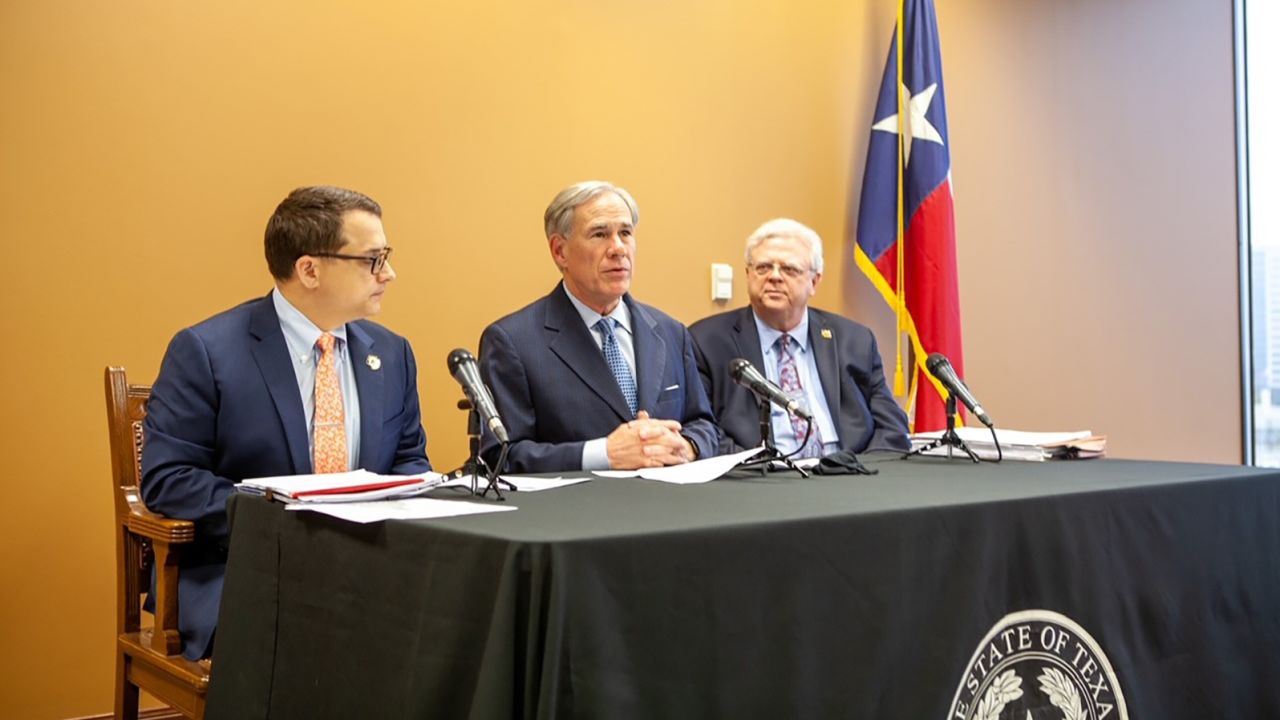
(899, 386)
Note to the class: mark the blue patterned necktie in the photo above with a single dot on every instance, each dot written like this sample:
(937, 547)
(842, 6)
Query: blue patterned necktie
(617, 364)
(789, 381)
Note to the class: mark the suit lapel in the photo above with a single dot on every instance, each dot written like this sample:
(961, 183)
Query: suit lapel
(272, 356)
(747, 338)
(369, 385)
(571, 341)
(822, 342)
(651, 355)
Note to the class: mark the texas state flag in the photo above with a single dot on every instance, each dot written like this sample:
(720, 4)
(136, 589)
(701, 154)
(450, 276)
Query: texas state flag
(914, 271)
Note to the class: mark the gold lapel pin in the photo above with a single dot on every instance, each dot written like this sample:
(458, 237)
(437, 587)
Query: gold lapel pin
(373, 361)
(826, 333)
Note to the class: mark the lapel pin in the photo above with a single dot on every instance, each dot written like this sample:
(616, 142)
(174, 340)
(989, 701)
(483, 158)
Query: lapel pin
(826, 333)
(373, 361)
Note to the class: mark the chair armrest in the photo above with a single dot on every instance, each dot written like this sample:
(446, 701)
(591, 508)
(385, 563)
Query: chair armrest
(158, 527)
(163, 532)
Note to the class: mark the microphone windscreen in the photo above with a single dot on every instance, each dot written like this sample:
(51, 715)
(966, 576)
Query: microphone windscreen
(457, 357)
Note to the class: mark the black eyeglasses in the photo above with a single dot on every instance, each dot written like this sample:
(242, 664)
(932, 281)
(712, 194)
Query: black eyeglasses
(376, 262)
(765, 269)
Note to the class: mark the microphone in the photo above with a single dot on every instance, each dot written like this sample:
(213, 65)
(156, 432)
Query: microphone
(940, 367)
(746, 375)
(462, 366)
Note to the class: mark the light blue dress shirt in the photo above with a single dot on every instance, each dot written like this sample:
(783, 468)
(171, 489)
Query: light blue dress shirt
(595, 453)
(784, 435)
(300, 335)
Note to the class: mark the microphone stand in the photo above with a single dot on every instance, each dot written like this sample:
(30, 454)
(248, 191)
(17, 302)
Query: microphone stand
(771, 452)
(949, 438)
(475, 466)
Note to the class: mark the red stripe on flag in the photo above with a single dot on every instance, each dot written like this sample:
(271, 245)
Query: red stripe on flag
(933, 294)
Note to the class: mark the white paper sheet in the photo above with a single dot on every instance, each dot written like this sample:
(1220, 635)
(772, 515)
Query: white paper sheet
(698, 471)
(524, 483)
(805, 463)
(411, 509)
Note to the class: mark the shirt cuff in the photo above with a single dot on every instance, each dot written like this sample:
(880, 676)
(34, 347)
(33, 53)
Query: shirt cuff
(595, 454)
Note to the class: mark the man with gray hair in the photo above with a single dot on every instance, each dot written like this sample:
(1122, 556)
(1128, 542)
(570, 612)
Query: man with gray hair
(828, 362)
(587, 378)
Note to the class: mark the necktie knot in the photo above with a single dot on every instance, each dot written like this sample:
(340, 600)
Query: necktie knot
(326, 342)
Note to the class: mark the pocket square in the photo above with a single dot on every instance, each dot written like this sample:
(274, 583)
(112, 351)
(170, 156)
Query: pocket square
(673, 387)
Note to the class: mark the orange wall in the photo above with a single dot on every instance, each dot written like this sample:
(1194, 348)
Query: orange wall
(143, 145)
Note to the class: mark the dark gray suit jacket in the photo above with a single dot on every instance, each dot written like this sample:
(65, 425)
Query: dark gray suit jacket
(554, 390)
(849, 368)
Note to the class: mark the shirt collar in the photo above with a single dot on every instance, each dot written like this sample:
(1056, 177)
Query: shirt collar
(769, 336)
(299, 331)
(620, 312)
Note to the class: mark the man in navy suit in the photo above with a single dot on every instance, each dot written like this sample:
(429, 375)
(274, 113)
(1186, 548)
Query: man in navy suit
(829, 363)
(587, 378)
(236, 394)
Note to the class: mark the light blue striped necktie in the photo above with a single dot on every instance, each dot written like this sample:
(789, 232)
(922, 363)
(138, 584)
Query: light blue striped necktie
(617, 364)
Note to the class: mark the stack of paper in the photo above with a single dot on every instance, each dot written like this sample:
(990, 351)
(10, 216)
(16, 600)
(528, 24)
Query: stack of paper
(1020, 445)
(406, 509)
(357, 485)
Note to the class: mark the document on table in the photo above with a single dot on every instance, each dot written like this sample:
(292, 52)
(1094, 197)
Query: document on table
(522, 483)
(698, 471)
(340, 487)
(409, 509)
(1020, 444)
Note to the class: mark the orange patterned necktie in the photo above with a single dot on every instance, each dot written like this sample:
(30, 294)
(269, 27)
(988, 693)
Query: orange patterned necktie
(330, 452)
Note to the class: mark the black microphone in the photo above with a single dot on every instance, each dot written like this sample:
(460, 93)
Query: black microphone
(940, 367)
(746, 375)
(462, 366)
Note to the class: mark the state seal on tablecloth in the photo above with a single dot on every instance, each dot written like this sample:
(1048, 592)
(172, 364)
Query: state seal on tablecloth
(1038, 665)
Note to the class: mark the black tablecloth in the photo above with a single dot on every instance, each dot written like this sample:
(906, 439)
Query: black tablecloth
(764, 597)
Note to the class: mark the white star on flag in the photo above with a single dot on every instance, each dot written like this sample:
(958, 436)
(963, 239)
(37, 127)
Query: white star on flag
(917, 125)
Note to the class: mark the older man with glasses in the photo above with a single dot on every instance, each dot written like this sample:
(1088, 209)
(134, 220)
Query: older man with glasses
(295, 382)
(827, 362)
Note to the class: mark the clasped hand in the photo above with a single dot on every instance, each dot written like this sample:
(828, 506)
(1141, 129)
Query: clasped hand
(647, 442)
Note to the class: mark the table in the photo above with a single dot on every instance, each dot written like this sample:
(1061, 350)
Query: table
(903, 594)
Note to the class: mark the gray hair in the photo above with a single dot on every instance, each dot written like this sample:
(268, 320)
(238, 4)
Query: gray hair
(558, 218)
(788, 228)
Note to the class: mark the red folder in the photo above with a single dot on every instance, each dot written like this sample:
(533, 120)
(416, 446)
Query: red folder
(367, 487)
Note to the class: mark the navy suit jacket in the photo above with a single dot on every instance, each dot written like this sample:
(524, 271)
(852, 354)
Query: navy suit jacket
(554, 390)
(226, 407)
(849, 368)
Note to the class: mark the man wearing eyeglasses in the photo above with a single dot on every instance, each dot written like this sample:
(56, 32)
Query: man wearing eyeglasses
(295, 382)
(587, 378)
(828, 362)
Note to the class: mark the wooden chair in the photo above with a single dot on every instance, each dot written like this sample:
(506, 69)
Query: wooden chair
(146, 658)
